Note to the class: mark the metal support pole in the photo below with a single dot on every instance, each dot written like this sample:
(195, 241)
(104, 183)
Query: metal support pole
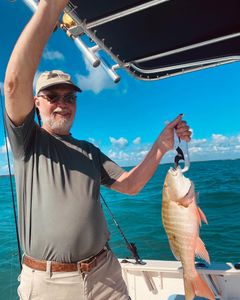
(95, 48)
(110, 71)
(91, 57)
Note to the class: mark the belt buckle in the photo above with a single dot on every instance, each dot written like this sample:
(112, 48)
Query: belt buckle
(87, 266)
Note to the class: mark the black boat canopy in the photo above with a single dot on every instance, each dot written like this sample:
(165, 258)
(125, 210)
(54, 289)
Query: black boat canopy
(155, 39)
(161, 38)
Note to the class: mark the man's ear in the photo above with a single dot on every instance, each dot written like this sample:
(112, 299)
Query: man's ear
(36, 101)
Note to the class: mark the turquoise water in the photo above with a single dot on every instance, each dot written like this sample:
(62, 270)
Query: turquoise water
(218, 184)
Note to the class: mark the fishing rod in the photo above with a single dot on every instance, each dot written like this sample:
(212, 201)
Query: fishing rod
(131, 246)
(11, 182)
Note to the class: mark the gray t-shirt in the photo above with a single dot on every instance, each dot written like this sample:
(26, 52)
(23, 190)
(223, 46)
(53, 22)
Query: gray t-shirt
(58, 182)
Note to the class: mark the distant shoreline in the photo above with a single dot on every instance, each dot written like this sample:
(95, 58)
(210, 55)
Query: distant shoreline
(169, 163)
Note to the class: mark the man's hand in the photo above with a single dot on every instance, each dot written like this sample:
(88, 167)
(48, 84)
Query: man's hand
(133, 181)
(166, 139)
(25, 58)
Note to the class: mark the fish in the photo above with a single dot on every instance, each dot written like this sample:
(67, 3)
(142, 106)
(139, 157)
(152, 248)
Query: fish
(181, 219)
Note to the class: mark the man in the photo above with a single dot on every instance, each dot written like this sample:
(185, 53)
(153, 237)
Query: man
(62, 229)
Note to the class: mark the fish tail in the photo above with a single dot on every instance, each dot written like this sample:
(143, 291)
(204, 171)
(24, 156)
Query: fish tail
(196, 286)
(189, 289)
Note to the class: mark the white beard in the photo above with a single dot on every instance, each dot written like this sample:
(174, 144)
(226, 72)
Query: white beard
(58, 126)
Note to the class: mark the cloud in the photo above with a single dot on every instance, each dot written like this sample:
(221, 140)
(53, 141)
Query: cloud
(94, 142)
(195, 149)
(141, 154)
(3, 147)
(219, 138)
(4, 169)
(137, 141)
(53, 55)
(96, 80)
(220, 149)
(121, 142)
(218, 146)
(119, 156)
(196, 142)
(129, 157)
(3, 159)
(37, 74)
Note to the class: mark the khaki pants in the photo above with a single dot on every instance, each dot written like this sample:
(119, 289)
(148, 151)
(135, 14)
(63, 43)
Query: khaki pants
(104, 282)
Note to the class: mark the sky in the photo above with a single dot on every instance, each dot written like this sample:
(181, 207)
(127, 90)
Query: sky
(124, 119)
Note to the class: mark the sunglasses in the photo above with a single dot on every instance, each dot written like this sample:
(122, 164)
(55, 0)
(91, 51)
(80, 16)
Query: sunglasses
(54, 98)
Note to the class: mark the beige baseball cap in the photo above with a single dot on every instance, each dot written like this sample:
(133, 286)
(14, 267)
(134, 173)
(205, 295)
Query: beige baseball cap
(52, 78)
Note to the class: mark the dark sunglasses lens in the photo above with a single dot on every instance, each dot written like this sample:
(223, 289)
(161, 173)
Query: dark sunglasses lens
(70, 98)
(52, 98)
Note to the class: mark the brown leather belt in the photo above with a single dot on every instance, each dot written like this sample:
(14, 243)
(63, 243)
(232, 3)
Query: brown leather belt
(83, 266)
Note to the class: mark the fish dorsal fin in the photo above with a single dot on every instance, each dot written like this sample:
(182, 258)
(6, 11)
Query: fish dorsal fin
(201, 251)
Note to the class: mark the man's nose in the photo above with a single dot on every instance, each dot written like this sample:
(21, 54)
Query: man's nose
(61, 101)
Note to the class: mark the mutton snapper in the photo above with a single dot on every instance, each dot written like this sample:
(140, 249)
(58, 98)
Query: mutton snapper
(181, 219)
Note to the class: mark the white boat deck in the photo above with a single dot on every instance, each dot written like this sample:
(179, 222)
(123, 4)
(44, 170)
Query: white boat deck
(163, 280)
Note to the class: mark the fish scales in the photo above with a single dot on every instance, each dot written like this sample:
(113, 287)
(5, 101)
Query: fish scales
(181, 220)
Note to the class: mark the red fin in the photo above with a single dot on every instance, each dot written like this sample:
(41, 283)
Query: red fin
(189, 289)
(201, 251)
(198, 216)
(202, 215)
(202, 289)
(196, 286)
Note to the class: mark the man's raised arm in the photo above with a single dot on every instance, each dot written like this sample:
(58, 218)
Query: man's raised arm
(18, 85)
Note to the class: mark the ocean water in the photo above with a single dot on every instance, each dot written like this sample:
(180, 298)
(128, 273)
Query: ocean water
(218, 184)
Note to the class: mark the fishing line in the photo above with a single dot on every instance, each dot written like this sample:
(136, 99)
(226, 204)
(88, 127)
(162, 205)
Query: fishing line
(131, 246)
(11, 182)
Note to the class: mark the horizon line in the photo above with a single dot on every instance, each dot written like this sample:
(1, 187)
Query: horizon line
(164, 163)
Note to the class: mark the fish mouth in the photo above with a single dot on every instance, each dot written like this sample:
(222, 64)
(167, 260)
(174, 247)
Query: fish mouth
(188, 192)
(178, 183)
(190, 189)
(175, 171)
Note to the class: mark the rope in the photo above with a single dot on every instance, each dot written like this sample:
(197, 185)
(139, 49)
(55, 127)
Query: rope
(11, 183)
(131, 246)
